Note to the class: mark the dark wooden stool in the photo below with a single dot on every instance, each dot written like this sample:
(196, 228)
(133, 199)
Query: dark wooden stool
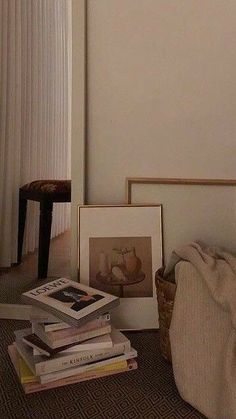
(46, 192)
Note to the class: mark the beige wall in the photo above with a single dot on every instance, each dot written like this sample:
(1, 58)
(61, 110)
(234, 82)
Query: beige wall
(161, 92)
(78, 11)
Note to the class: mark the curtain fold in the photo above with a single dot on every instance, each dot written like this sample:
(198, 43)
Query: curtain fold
(35, 81)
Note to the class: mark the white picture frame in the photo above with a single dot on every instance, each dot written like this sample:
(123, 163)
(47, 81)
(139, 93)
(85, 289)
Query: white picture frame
(123, 239)
(193, 209)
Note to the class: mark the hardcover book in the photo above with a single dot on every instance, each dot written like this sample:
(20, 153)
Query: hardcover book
(67, 336)
(35, 386)
(100, 342)
(58, 375)
(52, 327)
(72, 302)
(42, 365)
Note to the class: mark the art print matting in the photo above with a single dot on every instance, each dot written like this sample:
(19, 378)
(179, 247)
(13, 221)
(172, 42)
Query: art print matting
(120, 249)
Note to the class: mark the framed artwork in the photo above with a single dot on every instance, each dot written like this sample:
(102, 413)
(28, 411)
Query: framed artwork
(193, 209)
(119, 251)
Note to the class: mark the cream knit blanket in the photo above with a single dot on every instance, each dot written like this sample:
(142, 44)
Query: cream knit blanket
(203, 329)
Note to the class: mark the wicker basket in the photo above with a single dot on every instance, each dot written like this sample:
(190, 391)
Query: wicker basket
(165, 297)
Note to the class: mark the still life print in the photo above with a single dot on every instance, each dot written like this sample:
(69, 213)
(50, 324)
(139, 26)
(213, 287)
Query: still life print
(121, 266)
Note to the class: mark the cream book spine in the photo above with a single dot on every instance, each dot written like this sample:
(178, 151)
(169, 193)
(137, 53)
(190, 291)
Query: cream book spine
(36, 387)
(74, 338)
(99, 342)
(58, 375)
(115, 368)
(39, 365)
(52, 327)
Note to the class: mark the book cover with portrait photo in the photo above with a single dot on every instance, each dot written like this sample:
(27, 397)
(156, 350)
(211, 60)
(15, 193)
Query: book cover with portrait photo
(71, 301)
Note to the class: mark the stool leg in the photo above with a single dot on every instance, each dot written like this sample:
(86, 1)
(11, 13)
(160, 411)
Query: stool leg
(21, 225)
(45, 224)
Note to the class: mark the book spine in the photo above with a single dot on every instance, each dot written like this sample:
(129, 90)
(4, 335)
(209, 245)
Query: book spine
(35, 387)
(82, 337)
(71, 331)
(52, 327)
(41, 316)
(52, 312)
(86, 347)
(81, 358)
(74, 349)
(37, 329)
(55, 327)
(21, 350)
(14, 359)
(46, 378)
(38, 352)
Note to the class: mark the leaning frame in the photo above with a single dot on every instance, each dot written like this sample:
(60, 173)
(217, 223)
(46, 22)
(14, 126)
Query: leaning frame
(78, 121)
(193, 209)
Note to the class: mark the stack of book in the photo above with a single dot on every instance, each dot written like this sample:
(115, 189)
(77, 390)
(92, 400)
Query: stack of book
(71, 338)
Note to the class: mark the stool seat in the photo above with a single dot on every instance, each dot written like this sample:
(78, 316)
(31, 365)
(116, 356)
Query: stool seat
(46, 192)
(57, 190)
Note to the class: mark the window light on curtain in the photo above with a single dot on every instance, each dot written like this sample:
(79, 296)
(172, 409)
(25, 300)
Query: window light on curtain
(35, 76)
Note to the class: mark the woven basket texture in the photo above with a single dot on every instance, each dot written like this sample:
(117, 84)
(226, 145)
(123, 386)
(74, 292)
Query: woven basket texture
(165, 297)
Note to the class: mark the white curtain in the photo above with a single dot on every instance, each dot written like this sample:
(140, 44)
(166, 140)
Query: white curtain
(35, 80)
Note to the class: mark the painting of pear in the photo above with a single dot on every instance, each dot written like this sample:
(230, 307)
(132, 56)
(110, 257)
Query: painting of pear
(133, 263)
(121, 266)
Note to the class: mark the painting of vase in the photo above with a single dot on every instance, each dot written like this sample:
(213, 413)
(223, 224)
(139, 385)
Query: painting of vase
(121, 265)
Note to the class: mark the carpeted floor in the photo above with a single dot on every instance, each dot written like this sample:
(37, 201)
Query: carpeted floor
(147, 393)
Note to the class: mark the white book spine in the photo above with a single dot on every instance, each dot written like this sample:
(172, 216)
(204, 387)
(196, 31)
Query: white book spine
(55, 326)
(37, 351)
(90, 345)
(47, 378)
(62, 325)
(33, 387)
(84, 336)
(76, 348)
(81, 358)
(71, 339)
(39, 315)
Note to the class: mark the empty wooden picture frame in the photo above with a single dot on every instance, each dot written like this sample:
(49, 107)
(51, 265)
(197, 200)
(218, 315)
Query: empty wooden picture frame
(193, 209)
